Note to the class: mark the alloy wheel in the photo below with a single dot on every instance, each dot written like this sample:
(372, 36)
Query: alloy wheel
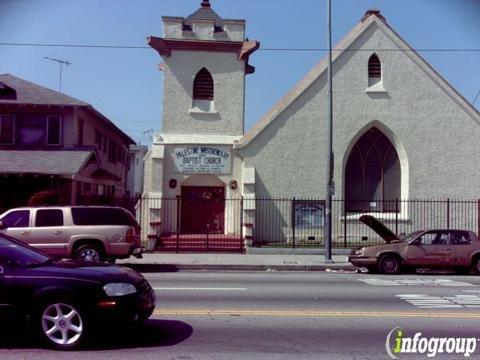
(62, 324)
(89, 254)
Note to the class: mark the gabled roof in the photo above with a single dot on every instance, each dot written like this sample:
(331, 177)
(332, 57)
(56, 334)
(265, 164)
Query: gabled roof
(371, 17)
(57, 162)
(28, 93)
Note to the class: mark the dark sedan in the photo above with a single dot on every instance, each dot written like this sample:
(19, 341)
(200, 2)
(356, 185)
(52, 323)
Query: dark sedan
(64, 300)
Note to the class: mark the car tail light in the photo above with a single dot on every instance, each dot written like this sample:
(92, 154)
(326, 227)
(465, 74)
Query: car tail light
(130, 236)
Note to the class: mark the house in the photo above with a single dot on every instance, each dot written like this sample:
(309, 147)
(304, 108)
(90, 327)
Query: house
(401, 132)
(52, 142)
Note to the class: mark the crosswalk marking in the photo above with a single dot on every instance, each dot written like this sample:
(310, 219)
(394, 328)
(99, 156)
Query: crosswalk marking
(415, 282)
(433, 302)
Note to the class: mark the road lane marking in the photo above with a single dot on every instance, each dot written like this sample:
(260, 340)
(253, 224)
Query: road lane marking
(312, 313)
(199, 288)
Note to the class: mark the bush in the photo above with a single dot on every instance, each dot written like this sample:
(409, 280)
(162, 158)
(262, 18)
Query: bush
(43, 198)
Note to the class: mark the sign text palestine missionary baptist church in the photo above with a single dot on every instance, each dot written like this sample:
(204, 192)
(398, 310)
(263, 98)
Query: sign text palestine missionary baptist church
(202, 159)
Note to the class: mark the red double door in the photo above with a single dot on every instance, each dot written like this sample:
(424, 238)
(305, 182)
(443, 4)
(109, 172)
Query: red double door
(203, 210)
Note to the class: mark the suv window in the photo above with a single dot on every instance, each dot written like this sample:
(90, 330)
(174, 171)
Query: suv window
(19, 218)
(100, 216)
(50, 217)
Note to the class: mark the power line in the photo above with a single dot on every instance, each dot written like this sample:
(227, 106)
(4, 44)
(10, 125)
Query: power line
(134, 47)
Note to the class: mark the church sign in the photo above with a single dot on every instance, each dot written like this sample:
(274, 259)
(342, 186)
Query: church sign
(202, 159)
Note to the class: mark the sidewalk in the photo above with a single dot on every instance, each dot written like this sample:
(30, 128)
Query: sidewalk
(171, 262)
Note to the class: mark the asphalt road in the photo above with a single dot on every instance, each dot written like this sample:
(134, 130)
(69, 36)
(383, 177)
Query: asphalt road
(282, 315)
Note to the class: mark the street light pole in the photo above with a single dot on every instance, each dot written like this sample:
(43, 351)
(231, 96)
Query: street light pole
(330, 160)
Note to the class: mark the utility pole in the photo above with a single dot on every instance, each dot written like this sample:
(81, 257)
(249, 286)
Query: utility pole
(61, 63)
(330, 160)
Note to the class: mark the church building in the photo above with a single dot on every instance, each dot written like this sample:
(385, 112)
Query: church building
(401, 131)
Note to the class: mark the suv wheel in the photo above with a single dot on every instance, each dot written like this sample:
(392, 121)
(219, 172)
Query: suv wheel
(61, 324)
(389, 264)
(89, 252)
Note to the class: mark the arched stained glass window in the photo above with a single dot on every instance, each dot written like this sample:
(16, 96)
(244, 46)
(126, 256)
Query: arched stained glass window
(372, 174)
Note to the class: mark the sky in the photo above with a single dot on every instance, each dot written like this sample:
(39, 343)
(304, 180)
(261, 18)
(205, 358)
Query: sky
(126, 85)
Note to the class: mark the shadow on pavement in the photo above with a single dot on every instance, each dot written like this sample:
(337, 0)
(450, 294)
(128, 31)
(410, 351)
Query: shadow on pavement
(145, 268)
(153, 333)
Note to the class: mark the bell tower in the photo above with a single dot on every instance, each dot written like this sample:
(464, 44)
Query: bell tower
(205, 64)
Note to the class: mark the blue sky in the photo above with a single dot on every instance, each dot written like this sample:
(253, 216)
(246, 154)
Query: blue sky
(126, 86)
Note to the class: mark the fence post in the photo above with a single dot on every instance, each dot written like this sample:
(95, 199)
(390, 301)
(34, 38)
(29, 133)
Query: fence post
(293, 222)
(478, 216)
(448, 213)
(242, 241)
(396, 216)
(178, 225)
(345, 226)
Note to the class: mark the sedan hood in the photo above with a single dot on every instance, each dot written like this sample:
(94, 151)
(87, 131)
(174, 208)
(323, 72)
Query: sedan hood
(384, 232)
(90, 271)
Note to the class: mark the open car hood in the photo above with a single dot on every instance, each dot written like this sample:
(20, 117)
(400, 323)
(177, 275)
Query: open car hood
(384, 232)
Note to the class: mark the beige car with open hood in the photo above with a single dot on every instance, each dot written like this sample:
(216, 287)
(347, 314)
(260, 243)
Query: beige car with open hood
(435, 248)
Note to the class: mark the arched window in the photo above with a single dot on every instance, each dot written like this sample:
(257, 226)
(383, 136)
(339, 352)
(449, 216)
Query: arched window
(374, 70)
(372, 174)
(203, 85)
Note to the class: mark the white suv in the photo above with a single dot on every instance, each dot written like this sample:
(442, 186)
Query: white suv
(94, 233)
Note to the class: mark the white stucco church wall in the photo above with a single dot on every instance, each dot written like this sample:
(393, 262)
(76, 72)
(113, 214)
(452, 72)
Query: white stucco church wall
(430, 129)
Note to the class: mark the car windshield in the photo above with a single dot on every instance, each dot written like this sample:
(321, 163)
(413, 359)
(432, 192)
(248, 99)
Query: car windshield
(411, 236)
(20, 254)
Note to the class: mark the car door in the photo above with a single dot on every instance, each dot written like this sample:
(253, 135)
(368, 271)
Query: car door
(47, 232)
(16, 223)
(6, 294)
(463, 247)
(431, 249)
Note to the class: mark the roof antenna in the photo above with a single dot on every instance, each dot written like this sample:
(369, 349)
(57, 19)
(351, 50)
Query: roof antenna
(61, 63)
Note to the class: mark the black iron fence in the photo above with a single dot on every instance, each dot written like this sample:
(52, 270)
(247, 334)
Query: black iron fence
(230, 224)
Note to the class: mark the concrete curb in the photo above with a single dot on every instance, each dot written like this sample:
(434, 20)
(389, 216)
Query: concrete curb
(237, 267)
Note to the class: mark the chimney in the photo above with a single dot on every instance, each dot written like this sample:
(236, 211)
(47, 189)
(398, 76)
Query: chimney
(374, 12)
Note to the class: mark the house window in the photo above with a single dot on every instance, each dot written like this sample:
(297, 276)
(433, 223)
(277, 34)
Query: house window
(203, 86)
(374, 70)
(372, 174)
(31, 130)
(7, 126)
(54, 130)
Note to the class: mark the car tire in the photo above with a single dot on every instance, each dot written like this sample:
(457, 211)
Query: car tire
(89, 252)
(476, 265)
(61, 324)
(389, 264)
